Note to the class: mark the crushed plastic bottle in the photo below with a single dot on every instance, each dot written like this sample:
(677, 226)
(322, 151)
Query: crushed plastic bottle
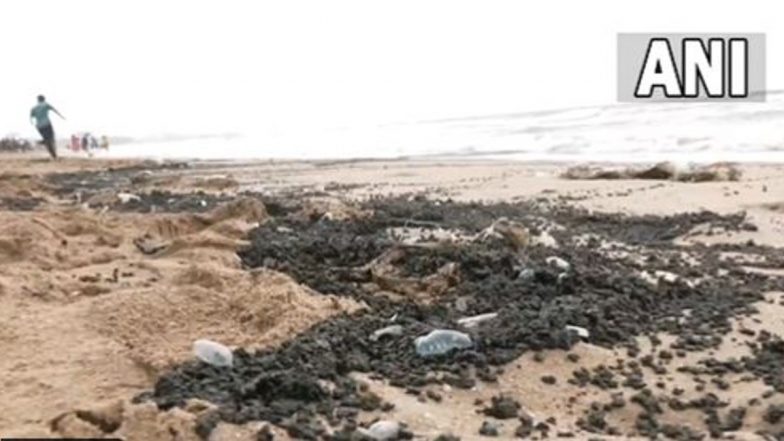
(383, 430)
(213, 353)
(441, 341)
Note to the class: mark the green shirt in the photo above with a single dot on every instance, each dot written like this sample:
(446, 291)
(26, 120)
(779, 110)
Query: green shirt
(41, 114)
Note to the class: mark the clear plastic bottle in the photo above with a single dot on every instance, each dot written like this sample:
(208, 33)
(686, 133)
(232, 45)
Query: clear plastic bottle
(441, 341)
(213, 353)
(383, 430)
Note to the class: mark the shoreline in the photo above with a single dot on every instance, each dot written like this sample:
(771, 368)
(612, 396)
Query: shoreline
(75, 263)
(451, 159)
(772, 157)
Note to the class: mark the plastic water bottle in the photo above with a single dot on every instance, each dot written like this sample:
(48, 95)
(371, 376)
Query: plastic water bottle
(213, 353)
(441, 341)
(383, 430)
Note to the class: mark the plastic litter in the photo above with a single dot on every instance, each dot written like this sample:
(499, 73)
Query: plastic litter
(441, 341)
(559, 263)
(470, 322)
(382, 430)
(213, 353)
(648, 278)
(666, 276)
(526, 274)
(581, 332)
(545, 239)
(657, 276)
(389, 330)
(127, 197)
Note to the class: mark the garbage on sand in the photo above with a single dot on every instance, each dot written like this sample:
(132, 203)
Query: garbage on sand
(388, 331)
(721, 171)
(441, 341)
(580, 331)
(213, 353)
(557, 262)
(470, 322)
(383, 430)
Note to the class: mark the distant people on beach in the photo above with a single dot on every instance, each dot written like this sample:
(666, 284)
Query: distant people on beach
(76, 143)
(86, 142)
(39, 116)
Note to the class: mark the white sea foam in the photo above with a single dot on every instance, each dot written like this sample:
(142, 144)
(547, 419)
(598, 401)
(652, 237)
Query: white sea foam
(681, 132)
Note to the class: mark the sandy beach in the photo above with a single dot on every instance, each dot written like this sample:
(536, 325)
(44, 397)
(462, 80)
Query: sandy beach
(111, 269)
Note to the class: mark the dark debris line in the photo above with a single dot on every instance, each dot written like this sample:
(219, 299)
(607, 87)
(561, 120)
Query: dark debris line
(286, 386)
(20, 203)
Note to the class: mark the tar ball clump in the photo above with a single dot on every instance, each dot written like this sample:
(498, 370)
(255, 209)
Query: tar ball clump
(601, 292)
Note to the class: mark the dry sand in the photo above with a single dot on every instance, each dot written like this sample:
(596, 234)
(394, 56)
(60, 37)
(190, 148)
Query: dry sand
(89, 320)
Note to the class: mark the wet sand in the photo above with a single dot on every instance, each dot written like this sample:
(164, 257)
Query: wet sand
(102, 288)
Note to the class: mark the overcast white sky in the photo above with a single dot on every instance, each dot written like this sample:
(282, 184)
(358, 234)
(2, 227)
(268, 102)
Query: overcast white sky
(186, 66)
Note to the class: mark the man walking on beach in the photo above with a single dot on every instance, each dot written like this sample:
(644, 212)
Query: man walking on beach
(39, 116)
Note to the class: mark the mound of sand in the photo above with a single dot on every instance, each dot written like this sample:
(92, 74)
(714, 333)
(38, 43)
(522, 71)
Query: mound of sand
(89, 316)
(220, 229)
(59, 240)
(124, 420)
(20, 239)
(246, 210)
(158, 325)
(13, 185)
(129, 421)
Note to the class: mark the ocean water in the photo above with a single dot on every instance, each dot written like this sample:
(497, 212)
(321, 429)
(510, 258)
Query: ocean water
(680, 132)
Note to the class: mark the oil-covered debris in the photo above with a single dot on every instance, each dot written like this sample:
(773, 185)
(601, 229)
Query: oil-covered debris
(20, 203)
(433, 282)
(721, 171)
(83, 184)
